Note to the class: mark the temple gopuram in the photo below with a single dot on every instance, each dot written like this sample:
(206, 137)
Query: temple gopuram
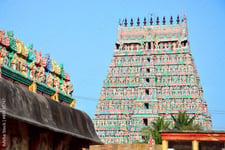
(25, 66)
(36, 105)
(152, 74)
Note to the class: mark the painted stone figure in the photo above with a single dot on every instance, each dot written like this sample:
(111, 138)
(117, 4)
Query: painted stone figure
(31, 53)
(33, 70)
(48, 67)
(40, 74)
(4, 57)
(12, 41)
(38, 58)
(14, 62)
(56, 82)
(23, 67)
(4, 40)
(49, 80)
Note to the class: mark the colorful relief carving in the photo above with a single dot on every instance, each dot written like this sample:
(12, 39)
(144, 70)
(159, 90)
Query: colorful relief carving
(4, 40)
(148, 78)
(4, 56)
(12, 41)
(30, 63)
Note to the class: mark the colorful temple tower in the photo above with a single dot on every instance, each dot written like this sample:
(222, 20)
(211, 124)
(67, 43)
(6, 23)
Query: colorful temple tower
(25, 66)
(152, 74)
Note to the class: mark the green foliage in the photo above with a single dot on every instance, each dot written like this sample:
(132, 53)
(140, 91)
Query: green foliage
(157, 125)
(183, 122)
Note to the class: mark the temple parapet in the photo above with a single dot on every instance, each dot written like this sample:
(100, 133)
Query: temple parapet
(24, 65)
(155, 34)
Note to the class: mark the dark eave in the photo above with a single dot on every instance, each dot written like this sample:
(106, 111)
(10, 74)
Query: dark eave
(43, 112)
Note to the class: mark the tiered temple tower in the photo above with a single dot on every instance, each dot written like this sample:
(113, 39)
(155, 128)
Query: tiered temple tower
(152, 74)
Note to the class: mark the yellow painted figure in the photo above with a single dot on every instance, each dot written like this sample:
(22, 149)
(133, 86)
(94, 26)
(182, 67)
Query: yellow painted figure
(14, 62)
(3, 54)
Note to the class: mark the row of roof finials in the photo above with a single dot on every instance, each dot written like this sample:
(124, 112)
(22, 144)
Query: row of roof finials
(124, 21)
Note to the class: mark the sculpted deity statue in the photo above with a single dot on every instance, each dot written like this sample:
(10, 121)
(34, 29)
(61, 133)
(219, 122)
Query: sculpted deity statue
(156, 43)
(41, 74)
(179, 43)
(43, 62)
(31, 53)
(58, 70)
(14, 62)
(38, 58)
(4, 40)
(56, 82)
(12, 41)
(23, 67)
(174, 45)
(4, 57)
(18, 46)
(25, 50)
(67, 76)
(33, 70)
(49, 80)
(55, 68)
(63, 87)
(48, 64)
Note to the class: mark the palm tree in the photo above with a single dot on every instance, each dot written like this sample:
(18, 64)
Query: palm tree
(154, 131)
(183, 122)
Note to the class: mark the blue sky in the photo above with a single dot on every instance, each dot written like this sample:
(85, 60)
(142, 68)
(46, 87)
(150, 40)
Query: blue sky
(81, 35)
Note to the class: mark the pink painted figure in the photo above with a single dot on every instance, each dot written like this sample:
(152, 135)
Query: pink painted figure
(3, 56)
(4, 40)
(38, 58)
